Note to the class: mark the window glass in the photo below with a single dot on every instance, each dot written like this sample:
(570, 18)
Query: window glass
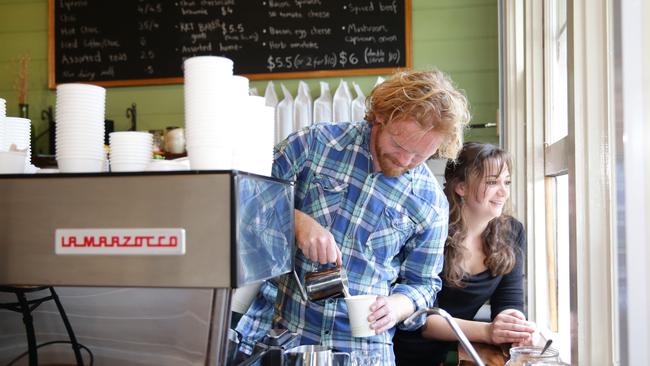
(556, 128)
(557, 121)
(562, 261)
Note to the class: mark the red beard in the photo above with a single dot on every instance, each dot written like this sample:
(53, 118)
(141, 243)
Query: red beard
(389, 166)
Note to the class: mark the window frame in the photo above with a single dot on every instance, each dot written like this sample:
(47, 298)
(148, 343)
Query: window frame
(590, 161)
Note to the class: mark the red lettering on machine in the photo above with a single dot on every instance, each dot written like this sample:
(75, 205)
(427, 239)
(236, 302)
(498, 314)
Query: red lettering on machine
(117, 241)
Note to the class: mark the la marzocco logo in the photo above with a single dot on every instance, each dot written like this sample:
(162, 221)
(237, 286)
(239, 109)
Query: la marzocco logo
(117, 241)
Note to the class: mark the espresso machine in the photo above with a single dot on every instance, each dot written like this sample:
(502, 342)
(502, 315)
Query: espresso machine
(210, 231)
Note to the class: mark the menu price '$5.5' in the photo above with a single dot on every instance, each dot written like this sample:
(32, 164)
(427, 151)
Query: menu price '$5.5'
(306, 62)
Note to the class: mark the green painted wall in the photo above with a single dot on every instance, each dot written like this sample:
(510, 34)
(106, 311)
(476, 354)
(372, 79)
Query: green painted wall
(456, 36)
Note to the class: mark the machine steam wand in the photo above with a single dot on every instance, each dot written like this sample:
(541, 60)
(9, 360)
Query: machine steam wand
(454, 326)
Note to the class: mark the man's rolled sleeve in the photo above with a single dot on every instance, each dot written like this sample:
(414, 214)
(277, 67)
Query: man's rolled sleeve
(419, 279)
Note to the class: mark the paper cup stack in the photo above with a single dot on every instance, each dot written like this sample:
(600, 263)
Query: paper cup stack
(130, 151)
(239, 86)
(80, 128)
(225, 127)
(17, 131)
(254, 135)
(209, 112)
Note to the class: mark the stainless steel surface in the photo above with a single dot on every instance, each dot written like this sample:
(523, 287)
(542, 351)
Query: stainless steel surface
(269, 351)
(303, 292)
(325, 284)
(454, 326)
(233, 346)
(238, 230)
(219, 327)
(33, 207)
(546, 346)
(312, 355)
(121, 326)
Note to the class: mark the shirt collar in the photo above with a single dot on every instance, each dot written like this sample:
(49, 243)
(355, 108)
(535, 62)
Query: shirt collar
(358, 134)
(354, 134)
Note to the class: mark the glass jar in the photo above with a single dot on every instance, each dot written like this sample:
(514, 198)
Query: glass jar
(520, 356)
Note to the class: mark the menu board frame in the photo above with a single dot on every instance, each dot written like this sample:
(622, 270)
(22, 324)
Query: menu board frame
(321, 73)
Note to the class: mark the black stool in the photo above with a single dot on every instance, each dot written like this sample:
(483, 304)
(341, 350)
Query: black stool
(25, 307)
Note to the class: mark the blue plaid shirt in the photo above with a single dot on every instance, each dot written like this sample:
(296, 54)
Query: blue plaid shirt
(391, 232)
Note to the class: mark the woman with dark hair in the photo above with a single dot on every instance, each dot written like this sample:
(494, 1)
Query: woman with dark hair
(484, 258)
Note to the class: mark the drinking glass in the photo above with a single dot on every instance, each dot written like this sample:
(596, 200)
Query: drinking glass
(365, 358)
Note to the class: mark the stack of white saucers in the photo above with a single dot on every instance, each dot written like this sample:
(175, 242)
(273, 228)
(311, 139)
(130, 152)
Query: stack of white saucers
(130, 151)
(80, 128)
(17, 132)
(210, 111)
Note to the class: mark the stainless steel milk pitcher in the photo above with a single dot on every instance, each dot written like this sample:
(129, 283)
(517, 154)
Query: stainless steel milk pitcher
(323, 284)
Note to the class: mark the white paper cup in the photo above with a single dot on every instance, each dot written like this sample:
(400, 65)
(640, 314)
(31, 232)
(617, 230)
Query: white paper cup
(358, 312)
(81, 88)
(12, 162)
(210, 158)
(80, 165)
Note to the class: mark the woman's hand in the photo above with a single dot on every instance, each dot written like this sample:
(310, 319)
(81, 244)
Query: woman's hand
(511, 326)
(316, 242)
(387, 311)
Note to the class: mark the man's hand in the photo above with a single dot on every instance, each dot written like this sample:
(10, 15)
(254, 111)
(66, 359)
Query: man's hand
(386, 312)
(511, 326)
(316, 242)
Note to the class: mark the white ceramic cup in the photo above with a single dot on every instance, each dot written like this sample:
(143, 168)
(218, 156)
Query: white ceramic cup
(358, 312)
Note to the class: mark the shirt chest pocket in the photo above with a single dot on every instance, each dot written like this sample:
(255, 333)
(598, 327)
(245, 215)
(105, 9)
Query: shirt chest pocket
(392, 231)
(324, 198)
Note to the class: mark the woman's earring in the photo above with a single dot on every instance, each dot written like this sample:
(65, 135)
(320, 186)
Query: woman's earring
(462, 200)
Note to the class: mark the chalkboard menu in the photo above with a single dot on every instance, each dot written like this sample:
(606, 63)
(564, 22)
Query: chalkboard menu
(131, 42)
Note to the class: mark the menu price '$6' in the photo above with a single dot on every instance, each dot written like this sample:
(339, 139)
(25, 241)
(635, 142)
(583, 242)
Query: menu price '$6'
(298, 61)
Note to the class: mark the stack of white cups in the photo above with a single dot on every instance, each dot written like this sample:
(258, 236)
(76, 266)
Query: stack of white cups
(239, 86)
(17, 131)
(80, 128)
(254, 135)
(210, 111)
(130, 151)
(266, 138)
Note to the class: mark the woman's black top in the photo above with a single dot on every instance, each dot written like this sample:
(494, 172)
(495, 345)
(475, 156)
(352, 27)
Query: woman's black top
(504, 292)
